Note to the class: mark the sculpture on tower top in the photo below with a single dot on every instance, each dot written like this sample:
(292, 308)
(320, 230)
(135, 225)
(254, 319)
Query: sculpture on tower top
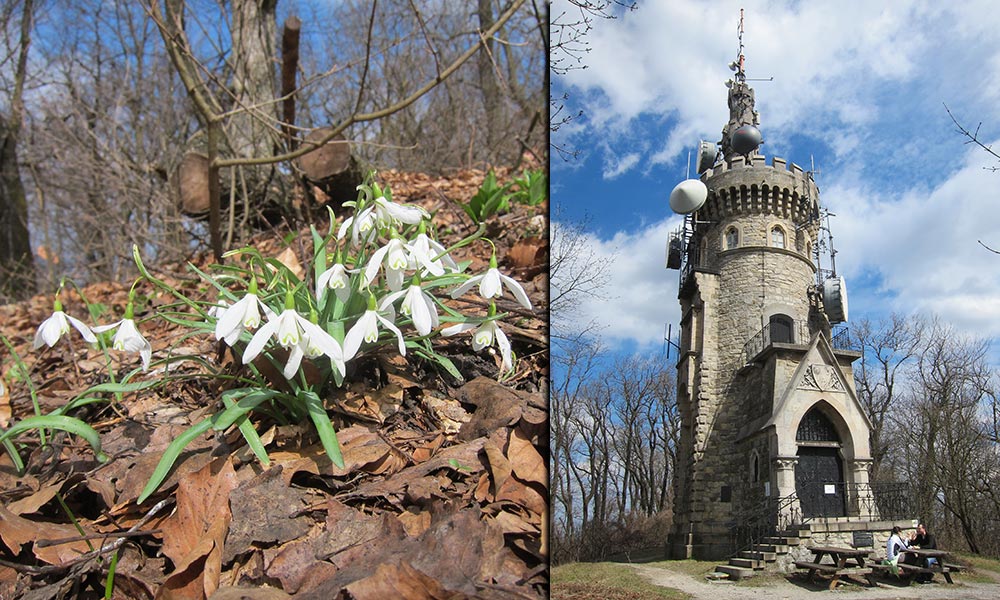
(740, 136)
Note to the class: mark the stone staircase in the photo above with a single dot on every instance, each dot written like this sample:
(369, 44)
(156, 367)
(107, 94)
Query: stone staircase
(763, 554)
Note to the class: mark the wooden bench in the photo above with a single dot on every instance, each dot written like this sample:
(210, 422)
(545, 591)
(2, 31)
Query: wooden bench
(832, 570)
(943, 569)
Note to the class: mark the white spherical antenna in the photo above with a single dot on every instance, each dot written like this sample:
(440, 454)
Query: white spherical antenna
(835, 299)
(688, 196)
(706, 156)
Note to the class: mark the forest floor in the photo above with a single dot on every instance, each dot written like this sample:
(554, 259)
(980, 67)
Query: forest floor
(443, 493)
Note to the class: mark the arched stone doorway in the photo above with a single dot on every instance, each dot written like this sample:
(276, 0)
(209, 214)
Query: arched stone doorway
(819, 472)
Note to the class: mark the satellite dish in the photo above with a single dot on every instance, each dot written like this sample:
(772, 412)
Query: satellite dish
(688, 196)
(745, 139)
(835, 299)
(706, 156)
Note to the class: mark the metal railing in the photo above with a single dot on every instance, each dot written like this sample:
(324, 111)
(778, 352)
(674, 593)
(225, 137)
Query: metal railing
(764, 517)
(792, 332)
(789, 332)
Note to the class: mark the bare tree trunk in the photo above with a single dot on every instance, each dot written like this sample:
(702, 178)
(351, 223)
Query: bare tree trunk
(16, 260)
(488, 80)
(252, 131)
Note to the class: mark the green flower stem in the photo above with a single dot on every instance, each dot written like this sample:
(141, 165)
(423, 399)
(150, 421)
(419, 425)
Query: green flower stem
(31, 385)
(475, 235)
(67, 424)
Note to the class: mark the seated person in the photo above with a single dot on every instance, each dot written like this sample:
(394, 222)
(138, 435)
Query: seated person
(923, 539)
(893, 548)
(895, 545)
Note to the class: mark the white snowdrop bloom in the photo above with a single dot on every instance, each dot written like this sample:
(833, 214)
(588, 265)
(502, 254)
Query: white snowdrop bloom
(485, 335)
(393, 257)
(424, 250)
(243, 314)
(418, 305)
(57, 325)
(128, 338)
(491, 284)
(336, 278)
(366, 330)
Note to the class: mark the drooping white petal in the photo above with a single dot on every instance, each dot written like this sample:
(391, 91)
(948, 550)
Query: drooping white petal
(371, 269)
(457, 328)
(259, 339)
(516, 289)
(504, 344)
(103, 328)
(399, 335)
(471, 281)
(129, 339)
(51, 330)
(420, 309)
(388, 300)
(231, 319)
(365, 329)
(489, 287)
(83, 328)
(295, 355)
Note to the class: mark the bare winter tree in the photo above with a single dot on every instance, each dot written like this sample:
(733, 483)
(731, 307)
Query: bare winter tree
(16, 258)
(888, 347)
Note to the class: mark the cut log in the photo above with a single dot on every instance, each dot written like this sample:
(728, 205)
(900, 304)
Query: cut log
(192, 184)
(331, 167)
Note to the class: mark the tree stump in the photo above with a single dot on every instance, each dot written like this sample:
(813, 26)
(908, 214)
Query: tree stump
(331, 168)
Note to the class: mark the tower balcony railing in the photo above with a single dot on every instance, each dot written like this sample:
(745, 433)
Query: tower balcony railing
(791, 331)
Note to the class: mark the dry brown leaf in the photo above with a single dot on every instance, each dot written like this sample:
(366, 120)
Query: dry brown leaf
(425, 451)
(244, 593)
(415, 523)
(17, 531)
(499, 469)
(400, 581)
(527, 252)
(33, 502)
(5, 410)
(525, 460)
(288, 258)
(193, 537)
(513, 524)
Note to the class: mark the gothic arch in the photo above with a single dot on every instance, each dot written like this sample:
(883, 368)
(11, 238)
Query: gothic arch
(839, 423)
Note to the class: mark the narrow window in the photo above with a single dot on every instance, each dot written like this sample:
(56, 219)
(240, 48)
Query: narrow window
(732, 238)
(777, 237)
(781, 329)
(809, 250)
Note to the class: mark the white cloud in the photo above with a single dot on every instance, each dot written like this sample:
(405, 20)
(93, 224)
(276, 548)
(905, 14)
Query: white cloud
(620, 165)
(923, 244)
(640, 295)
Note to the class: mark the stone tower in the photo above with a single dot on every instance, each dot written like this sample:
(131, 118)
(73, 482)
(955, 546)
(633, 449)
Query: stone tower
(772, 431)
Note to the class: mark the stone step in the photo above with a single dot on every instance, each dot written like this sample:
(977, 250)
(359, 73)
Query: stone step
(777, 548)
(802, 531)
(717, 576)
(748, 563)
(765, 556)
(736, 573)
(781, 541)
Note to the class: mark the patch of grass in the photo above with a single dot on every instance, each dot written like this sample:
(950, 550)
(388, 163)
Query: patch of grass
(606, 581)
(695, 568)
(982, 569)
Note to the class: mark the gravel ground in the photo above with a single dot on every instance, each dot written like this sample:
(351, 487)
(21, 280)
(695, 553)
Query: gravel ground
(796, 587)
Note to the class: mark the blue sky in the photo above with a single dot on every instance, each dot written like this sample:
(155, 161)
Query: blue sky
(859, 91)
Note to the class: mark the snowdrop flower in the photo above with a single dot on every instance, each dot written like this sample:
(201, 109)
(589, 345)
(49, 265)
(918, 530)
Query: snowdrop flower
(128, 338)
(57, 325)
(366, 329)
(417, 304)
(244, 314)
(314, 343)
(361, 227)
(484, 336)
(297, 335)
(490, 285)
(394, 257)
(389, 213)
(423, 250)
(337, 279)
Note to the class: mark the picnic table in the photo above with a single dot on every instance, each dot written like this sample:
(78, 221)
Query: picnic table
(920, 567)
(844, 563)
